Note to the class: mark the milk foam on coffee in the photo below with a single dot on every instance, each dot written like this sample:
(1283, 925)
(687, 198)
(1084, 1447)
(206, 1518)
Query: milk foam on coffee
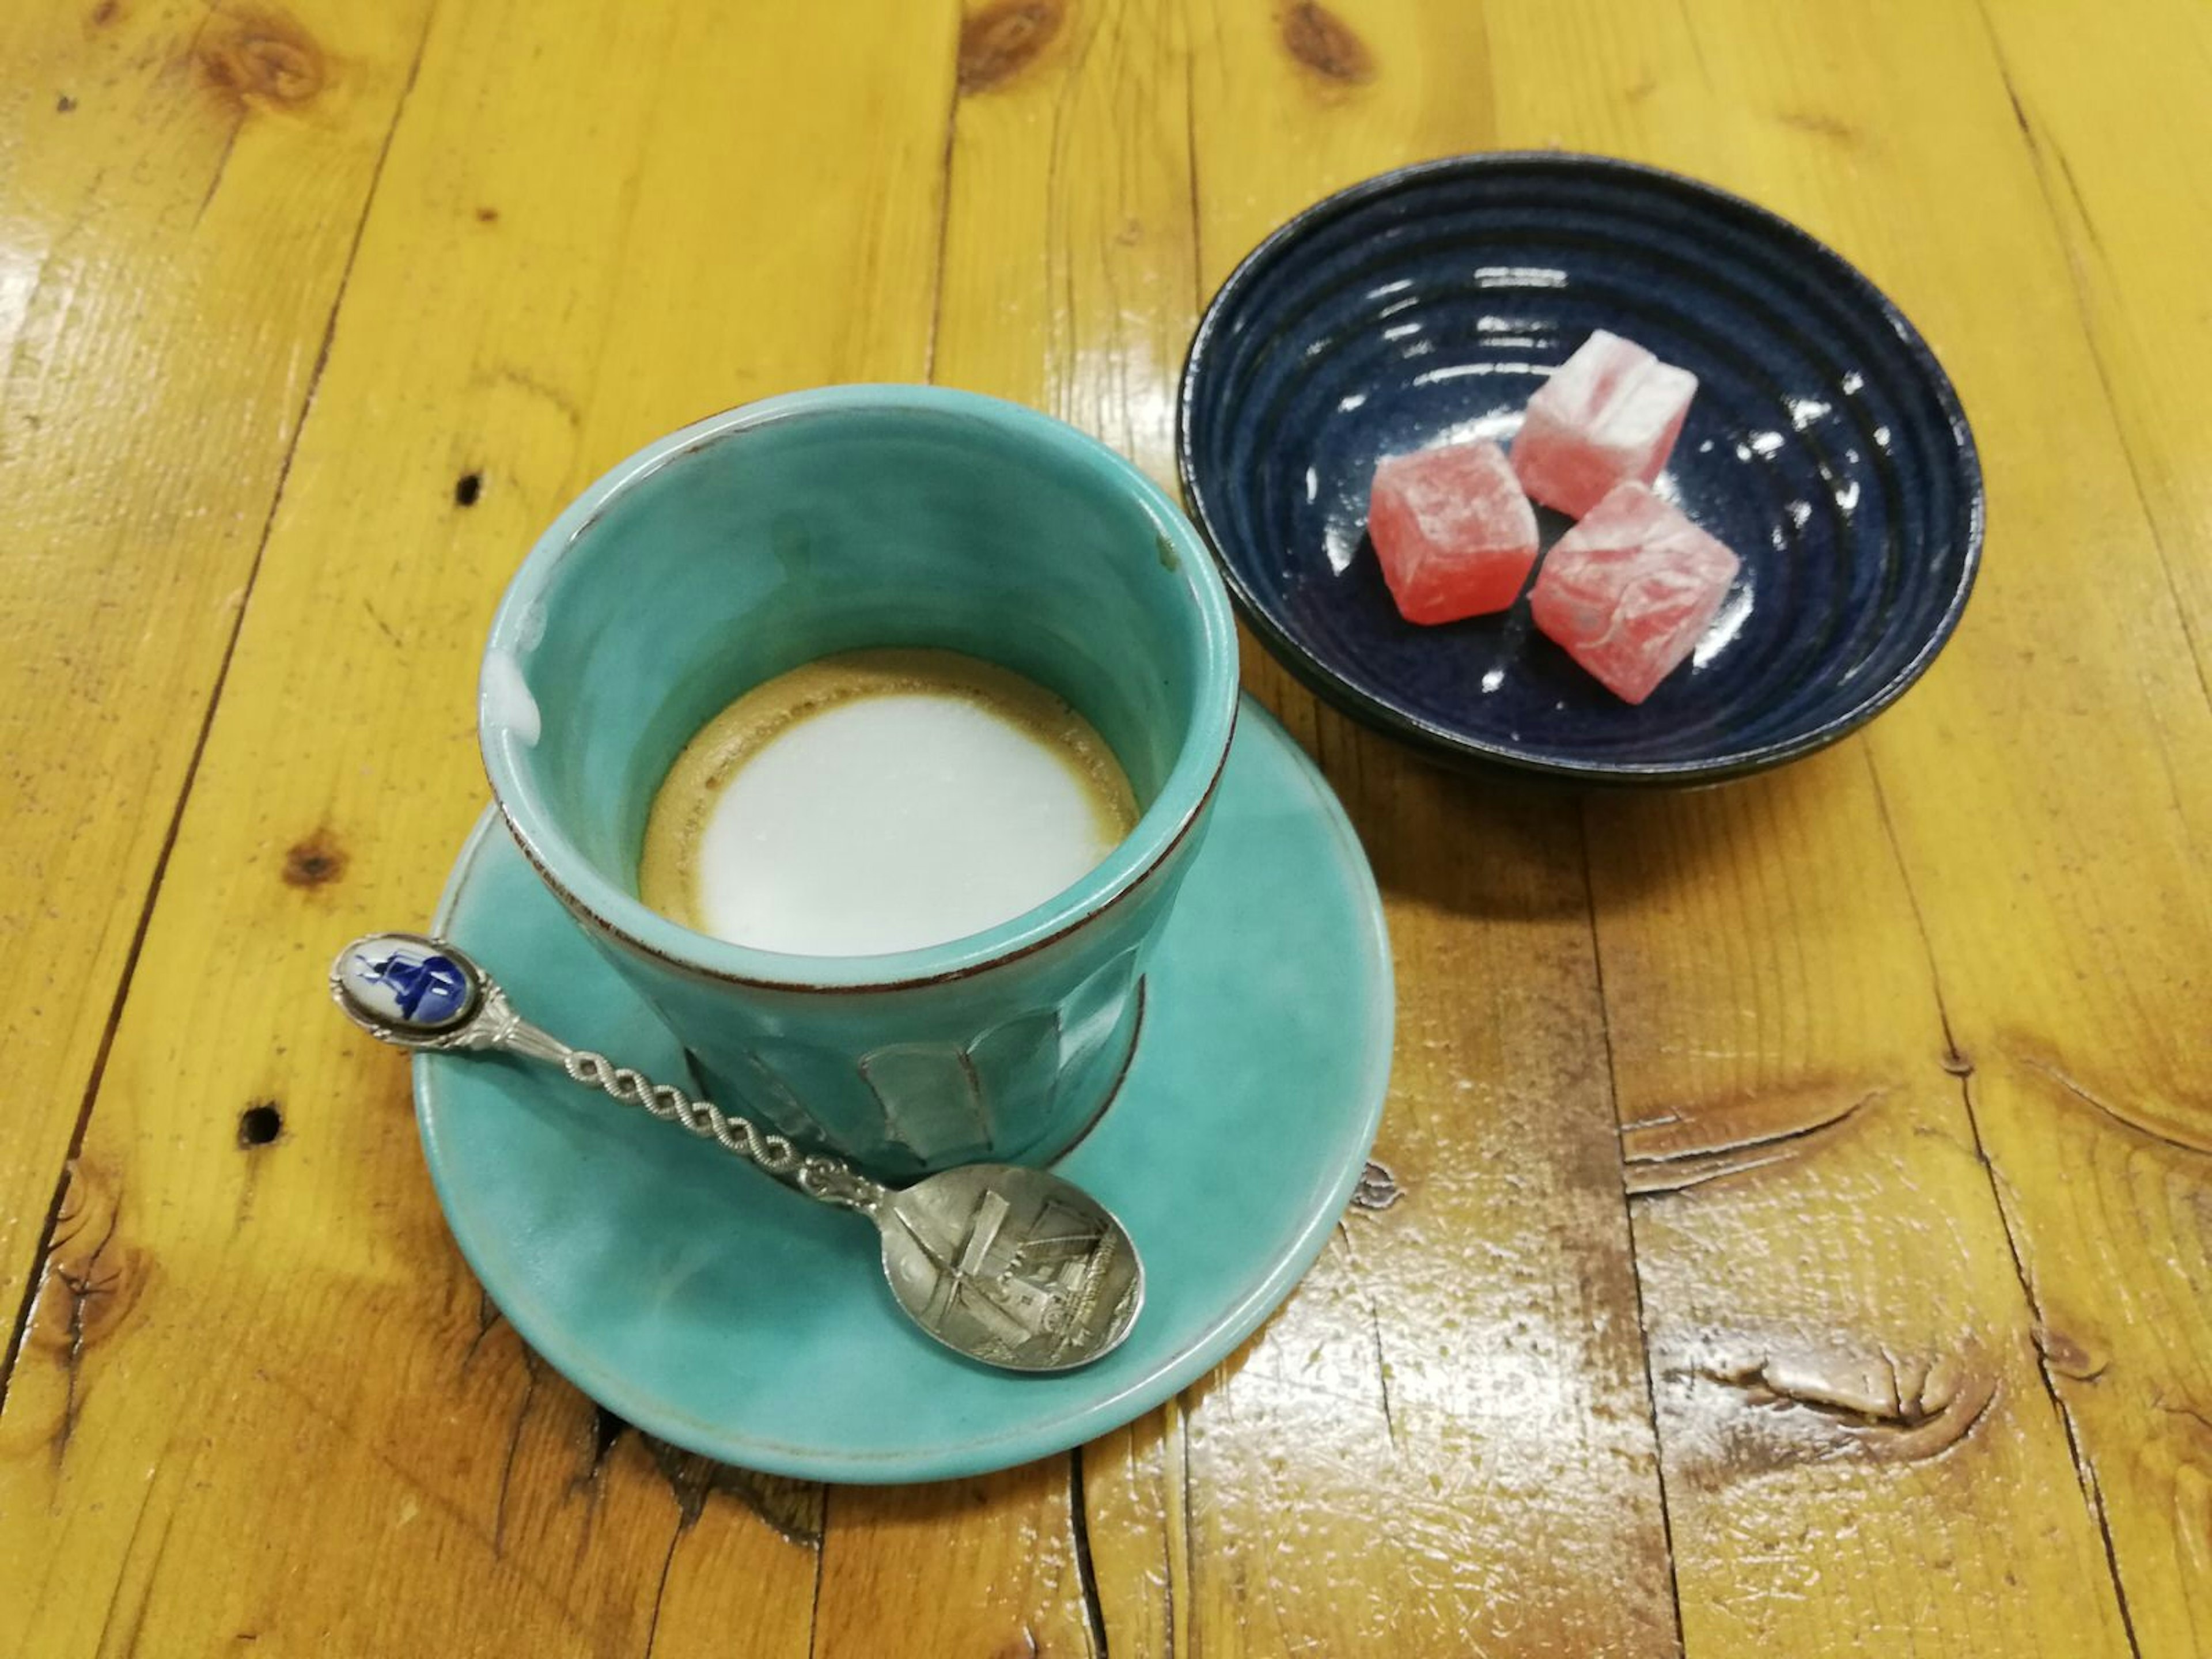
(881, 800)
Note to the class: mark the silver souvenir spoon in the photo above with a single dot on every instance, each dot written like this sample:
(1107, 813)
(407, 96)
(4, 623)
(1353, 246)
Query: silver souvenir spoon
(1013, 1267)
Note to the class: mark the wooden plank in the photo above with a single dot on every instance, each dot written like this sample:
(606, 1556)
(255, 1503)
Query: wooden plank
(1069, 264)
(1069, 283)
(159, 348)
(994, 1565)
(261, 1396)
(2118, 137)
(1858, 1445)
(346, 1454)
(1443, 1443)
(1861, 1437)
(1067, 286)
(2071, 947)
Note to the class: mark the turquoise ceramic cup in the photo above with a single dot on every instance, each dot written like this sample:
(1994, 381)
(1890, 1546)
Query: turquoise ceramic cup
(831, 520)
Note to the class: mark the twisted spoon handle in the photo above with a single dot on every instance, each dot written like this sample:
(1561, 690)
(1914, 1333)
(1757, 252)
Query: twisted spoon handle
(819, 1176)
(423, 993)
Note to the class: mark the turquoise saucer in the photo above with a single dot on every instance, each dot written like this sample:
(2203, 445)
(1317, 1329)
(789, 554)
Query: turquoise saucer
(719, 1311)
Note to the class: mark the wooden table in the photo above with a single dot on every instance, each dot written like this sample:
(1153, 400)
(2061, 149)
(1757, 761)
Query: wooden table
(1805, 1234)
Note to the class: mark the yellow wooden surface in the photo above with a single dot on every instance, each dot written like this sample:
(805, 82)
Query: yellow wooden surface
(1803, 1247)
(160, 347)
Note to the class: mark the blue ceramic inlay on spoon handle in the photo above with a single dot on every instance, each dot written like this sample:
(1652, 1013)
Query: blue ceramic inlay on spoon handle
(1011, 1266)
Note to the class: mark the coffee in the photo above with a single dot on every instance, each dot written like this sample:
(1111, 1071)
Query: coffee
(881, 800)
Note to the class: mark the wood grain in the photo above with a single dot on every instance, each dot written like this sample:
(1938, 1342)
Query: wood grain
(2071, 950)
(1858, 1118)
(1839, 1348)
(1066, 284)
(158, 352)
(1443, 1443)
(261, 1396)
(2115, 137)
(1881, 1423)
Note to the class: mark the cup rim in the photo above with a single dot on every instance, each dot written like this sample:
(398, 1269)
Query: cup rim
(1165, 824)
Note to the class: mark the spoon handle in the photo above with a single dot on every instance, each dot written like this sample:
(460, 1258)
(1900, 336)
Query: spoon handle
(827, 1180)
(424, 994)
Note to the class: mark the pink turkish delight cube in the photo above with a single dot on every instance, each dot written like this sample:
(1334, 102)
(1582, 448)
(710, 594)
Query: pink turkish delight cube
(1609, 415)
(1456, 535)
(1629, 590)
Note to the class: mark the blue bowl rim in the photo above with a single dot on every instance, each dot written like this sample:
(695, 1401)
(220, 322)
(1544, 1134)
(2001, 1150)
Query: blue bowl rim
(1293, 652)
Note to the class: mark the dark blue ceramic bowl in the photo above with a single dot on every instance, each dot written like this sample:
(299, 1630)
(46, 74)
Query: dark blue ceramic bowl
(1826, 446)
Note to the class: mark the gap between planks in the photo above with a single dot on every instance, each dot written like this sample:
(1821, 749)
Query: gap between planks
(1628, 1229)
(2035, 161)
(1960, 1065)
